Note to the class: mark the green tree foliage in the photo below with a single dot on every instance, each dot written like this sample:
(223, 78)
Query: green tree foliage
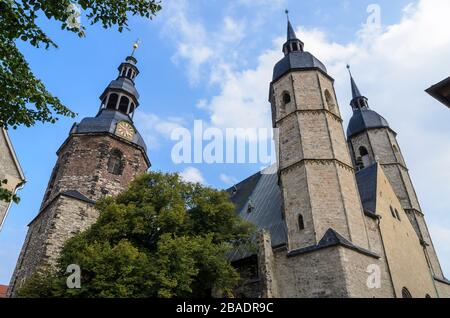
(24, 100)
(160, 238)
(6, 195)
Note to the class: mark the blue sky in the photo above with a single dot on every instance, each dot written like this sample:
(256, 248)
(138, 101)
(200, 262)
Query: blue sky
(212, 60)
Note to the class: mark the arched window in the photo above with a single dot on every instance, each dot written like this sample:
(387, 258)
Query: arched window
(364, 154)
(330, 101)
(406, 293)
(115, 162)
(286, 98)
(123, 106)
(294, 47)
(363, 151)
(129, 73)
(112, 102)
(397, 214)
(393, 212)
(132, 107)
(301, 222)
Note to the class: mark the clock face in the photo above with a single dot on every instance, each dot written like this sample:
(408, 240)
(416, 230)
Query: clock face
(125, 130)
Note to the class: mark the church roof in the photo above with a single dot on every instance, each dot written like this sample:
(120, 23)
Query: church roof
(298, 60)
(367, 186)
(258, 200)
(364, 119)
(105, 122)
(122, 84)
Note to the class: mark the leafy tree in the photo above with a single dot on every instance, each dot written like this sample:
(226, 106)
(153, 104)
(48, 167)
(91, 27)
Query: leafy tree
(6, 195)
(160, 238)
(23, 97)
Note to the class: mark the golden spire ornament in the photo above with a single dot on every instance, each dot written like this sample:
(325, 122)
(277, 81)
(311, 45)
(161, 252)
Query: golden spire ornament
(135, 46)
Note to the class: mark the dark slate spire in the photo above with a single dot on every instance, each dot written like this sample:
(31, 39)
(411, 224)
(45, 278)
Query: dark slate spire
(293, 44)
(363, 117)
(358, 100)
(121, 94)
(291, 33)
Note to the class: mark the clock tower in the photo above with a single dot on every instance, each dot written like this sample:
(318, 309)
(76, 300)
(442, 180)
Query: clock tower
(99, 158)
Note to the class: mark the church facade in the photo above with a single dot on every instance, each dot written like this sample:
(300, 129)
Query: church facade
(339, 216)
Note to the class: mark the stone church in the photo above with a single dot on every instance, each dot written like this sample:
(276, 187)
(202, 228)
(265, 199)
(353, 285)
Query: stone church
(339, 217)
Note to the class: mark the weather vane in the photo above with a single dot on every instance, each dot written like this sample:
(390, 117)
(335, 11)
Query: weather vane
(136, 46)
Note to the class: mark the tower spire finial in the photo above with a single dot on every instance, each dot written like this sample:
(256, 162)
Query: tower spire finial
(292, 44)
(358, 100)
(287, 14)
(135, 46)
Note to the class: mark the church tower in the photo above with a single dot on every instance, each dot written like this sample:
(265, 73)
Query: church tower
(327, 249)
(100, 157)
(315, 170)
(371, 140)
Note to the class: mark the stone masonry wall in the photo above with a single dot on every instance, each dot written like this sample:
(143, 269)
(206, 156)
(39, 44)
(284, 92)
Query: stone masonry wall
(59, 221)
(82, 166)
(313, 275)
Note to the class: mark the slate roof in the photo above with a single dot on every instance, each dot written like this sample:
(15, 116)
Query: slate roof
(290, 32)
(262, 193)
(122, 84)
(355, 90)
(367, 186)
(364, 119)
(297, 60)
(441, 91)
(77, 195)
(330, 239)
(106, 121)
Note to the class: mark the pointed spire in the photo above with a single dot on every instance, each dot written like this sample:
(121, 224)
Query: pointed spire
(293, 44)
(355, 90)
(358, 100)
(290, 31)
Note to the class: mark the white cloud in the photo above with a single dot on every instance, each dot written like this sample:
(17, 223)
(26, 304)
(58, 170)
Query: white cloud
(193, 175)
(228, 180)
(152, 127)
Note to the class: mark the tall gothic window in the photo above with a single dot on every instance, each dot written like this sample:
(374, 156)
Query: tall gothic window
(393, 212)
(301, 222)
(115, 162)
(112, 102)
(397, 214)
(406, 293)
(123, 106)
